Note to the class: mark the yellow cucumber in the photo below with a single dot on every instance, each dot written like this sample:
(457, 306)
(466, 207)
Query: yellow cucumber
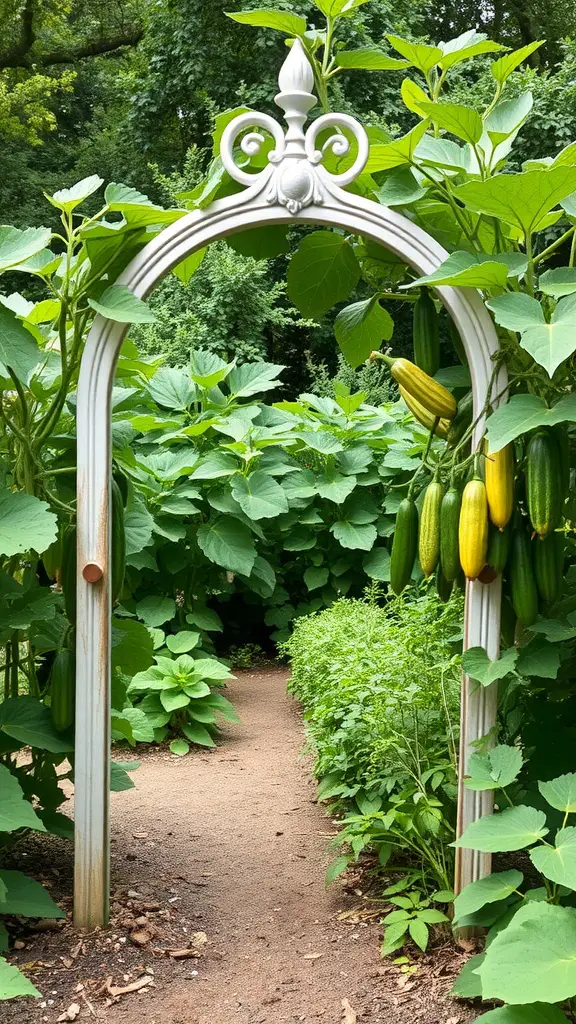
(499, 476)
(428, 392)
(473, 528)
(429, 539)
(426, 418)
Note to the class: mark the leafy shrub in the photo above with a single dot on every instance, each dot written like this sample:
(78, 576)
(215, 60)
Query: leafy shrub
(380, 691)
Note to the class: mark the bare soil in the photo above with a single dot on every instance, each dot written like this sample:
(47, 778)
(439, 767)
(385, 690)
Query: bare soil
(219, 858)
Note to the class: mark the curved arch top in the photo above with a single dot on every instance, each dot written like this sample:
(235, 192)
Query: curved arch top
(294, 188)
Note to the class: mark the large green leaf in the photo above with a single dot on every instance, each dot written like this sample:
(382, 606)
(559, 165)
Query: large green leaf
(15, 811)
(69, 198)
(490, 889)
(479, 666)
(558, 282)
(400, 189)
(28, 721)
(16, 246)
(496, 769)
(259, 495)
(521, 199)
(18, 350)
(138, 525)
(533, 958)
(376, 564)
(26, 897)
(290, 24)
(336, 487)
(503, 68)
(154, 611)
(535, 1013)
(262, 243)
(539, 658)
(463, 122)
(13, 983)
(120, 304)
(523, 413)
(119, 777)
(362, 327)
(548, 343)
(511, 829)
(172, 388)
(197, 733)
(560, 793)
(475, 270)
(370, 59)
(251, 378)
(419, 55)
(323, 271)
(458, 50)
(132, 646)
(228, 542)
(558, 862)
(467, 984)
(359, 537)
(385, 156)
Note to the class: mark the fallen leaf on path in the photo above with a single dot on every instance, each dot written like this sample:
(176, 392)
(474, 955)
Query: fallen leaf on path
(193, 949)
(70, 1014)
(312, 956)
(134, 986)
(348, 1014)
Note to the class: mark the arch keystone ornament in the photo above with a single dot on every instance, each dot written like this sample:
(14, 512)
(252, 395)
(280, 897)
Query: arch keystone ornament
(293, 187)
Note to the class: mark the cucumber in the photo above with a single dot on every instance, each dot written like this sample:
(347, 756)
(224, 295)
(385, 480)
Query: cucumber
(425, 334)
(473, 528)
(507, 622)
(404, 545)
(449, 520)
(63, 690)
(457, 342)
(548, 558)
(443, 586)
(521, 577)
(462, 420)
(118, 542)
(544, 495)
(498, 548)
(429, 540)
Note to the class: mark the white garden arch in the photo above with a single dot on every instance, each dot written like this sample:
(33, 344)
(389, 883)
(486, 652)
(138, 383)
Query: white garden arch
(293, 188)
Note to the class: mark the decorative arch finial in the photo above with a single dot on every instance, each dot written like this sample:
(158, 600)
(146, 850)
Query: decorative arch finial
(293, 176)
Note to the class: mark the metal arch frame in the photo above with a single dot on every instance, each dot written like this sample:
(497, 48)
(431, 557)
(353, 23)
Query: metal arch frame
(294, 188)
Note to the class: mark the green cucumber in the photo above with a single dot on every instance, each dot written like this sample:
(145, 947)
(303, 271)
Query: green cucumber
(449, 520)
(425, 334)
(63, 690)
(404, 545)
(521, 577)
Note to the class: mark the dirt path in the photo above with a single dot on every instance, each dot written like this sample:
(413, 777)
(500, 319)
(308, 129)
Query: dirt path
(234, 844)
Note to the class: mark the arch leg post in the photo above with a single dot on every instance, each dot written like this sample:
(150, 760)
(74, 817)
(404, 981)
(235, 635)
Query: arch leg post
(93, 634)
(477, 718)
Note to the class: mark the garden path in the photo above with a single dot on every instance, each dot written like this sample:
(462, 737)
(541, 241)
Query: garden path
(231, 843)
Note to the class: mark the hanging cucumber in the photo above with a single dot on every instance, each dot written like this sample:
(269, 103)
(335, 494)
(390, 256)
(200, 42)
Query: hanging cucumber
(427, 391)
(427, 419)
(521, 578)
(499, 476)
(473, 528)
(425, 334)
(498, 548)
(404, 545)
(548, 558)
(63, 690)
(449, 522)
(544, 494)
(457, 342)
(429, 539)
(118, 543)
(443, 586)
(462, 420)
